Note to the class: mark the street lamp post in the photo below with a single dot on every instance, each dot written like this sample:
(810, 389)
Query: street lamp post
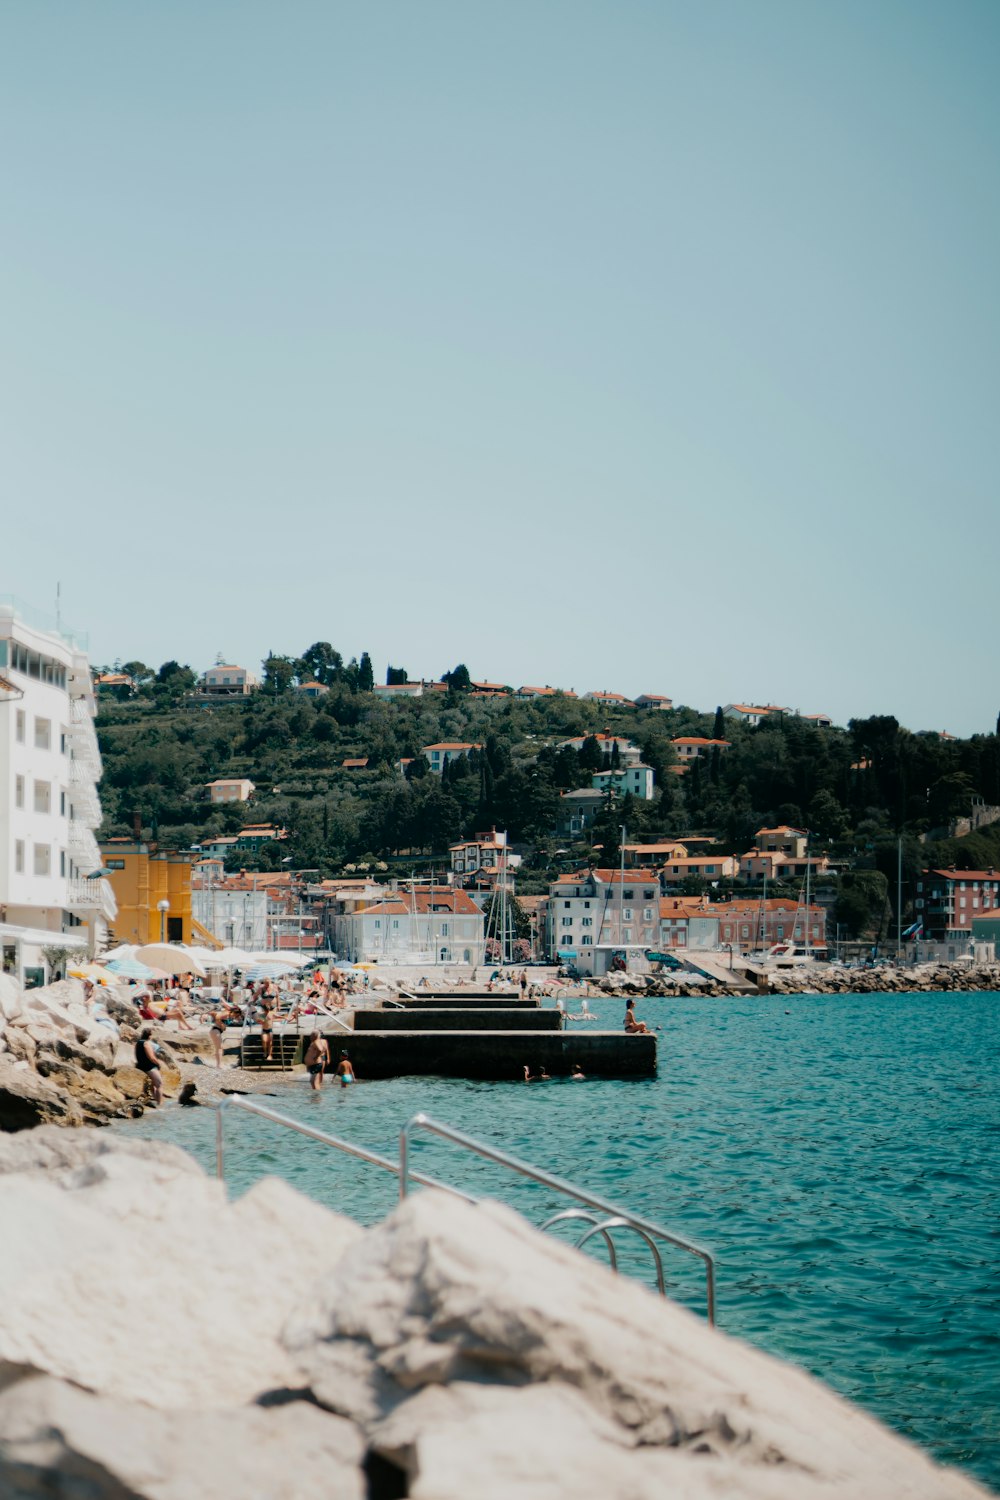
(163, 907)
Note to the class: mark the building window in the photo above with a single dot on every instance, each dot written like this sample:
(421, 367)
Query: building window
(43, 734)
(378, 921)
(628, 935)
(586, 921)
(628, 895)
(19, 730)
(586, 942)
(18, 791)
(62, 804)
(444, 929)
(19, 856)
(43, 859)
(567, 921)
(43, 797)
(627, 913)
(62, 861)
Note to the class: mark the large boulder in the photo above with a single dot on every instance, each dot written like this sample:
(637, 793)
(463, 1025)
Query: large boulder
(59, 1441)
(130, 1265)
(27, 1100)
(443, 1292)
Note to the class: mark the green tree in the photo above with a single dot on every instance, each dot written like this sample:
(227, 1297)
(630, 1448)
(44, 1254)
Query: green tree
(366, 676)
(395, 676)
(719, 726)
(279, 673)
(322, 663)
(458, 679)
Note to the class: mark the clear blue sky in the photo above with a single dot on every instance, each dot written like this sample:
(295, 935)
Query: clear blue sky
(642, 345)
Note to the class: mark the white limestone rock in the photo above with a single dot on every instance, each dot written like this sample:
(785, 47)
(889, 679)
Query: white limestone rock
(61, 1442)
(130, 1264)
(66, 1157)
(444, 1291)
(11, 999)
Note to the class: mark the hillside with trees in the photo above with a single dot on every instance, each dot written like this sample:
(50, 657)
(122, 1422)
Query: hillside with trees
(857, 790)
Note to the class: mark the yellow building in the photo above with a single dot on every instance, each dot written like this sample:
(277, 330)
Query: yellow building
(153, 890)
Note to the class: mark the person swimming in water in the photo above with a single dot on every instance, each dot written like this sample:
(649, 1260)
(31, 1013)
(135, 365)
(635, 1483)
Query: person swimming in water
(344, 1071)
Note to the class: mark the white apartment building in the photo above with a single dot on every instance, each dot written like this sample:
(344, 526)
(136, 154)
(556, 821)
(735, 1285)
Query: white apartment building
(441, 926)
(596, 913)
(51, 894)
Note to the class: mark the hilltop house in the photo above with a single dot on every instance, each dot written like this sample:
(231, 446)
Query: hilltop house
(234, 789)
(635, 781)
(629, 754)
(445, 751)
(691, 746)
(653, 700)
(228, 682)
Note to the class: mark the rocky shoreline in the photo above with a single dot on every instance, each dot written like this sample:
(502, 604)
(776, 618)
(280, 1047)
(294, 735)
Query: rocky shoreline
(160, 1342)
(816, 979)
(62, 1065)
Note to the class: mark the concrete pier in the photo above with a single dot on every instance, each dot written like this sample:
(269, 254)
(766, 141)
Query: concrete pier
(497, 1055)
(451, 1018)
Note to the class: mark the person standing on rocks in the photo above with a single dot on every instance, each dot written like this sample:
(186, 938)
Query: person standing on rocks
(148, 1063)
(317, 1059)
(217, 1034)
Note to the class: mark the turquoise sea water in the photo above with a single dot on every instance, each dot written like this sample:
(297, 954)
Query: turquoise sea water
(837, 1153)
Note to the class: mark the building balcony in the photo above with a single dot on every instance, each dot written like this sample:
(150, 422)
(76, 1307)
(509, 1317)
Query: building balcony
(92, 895)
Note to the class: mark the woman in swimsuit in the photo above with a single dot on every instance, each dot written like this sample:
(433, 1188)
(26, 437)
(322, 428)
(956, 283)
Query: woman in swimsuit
(631, 1024)
(146, 1061)
(267, 1030)
(217, 1033)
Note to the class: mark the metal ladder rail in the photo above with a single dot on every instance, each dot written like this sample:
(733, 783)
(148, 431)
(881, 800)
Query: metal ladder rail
(548, 1179)
(324, 1137)
(602, 1227)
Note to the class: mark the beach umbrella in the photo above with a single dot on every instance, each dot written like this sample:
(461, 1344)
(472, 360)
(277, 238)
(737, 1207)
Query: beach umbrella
(234, 958)
(124, 950)
(172, 958)
(97, 972)
(265, 971)
(284, 960)
(131, 968)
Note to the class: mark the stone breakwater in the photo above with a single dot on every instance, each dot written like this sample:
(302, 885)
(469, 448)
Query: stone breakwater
(817, 979)
(159, 1341)
(61, 1065)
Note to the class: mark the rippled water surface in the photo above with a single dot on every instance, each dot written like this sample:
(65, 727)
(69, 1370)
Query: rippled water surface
(836, 1153)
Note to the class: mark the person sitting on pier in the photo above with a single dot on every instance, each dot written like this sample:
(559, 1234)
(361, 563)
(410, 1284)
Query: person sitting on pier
(632, 1026)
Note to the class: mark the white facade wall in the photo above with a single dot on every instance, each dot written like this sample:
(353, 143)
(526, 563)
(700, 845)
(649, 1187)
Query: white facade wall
(49, 807)
(405, 938)
(237, 918)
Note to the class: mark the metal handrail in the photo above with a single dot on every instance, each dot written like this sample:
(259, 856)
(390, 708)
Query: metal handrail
(559, 1184)
(324, 1137)
(597, 1227)
(618, 1222)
